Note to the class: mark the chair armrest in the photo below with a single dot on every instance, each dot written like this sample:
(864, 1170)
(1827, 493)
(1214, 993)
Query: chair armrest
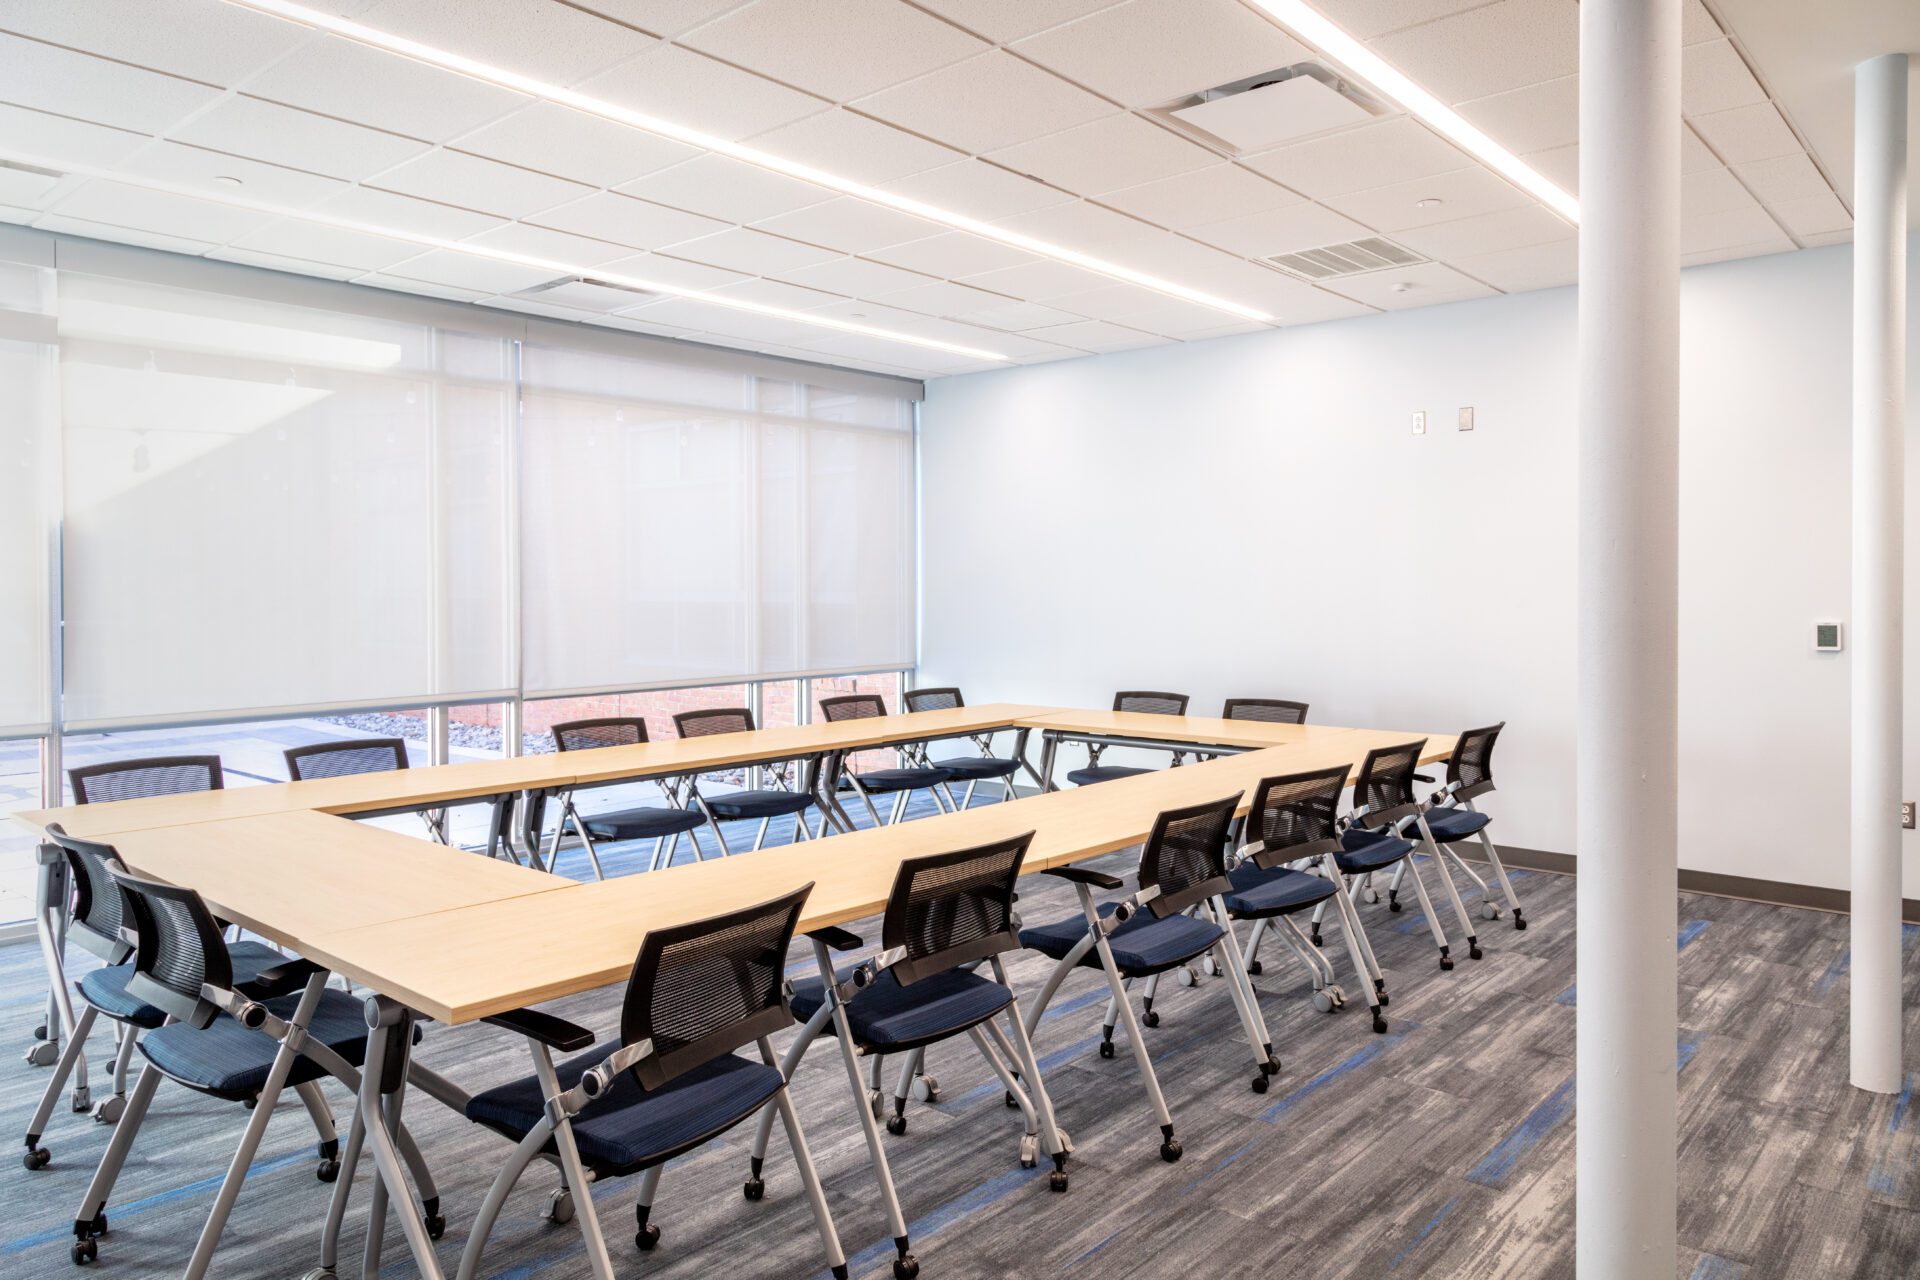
(837, 939)
(1081, 875)
(1424, 777)
(555, 1033)
(281, 980)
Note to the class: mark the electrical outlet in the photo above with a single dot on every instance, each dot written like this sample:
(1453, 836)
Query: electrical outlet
(1466, 418)
(1420, 423)
(1906, 814)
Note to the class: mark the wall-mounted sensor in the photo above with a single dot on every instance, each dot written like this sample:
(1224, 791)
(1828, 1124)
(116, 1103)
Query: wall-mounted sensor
(1828, 637)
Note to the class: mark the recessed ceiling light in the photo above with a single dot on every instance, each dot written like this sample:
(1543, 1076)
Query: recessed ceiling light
(226, 180)
(618, 280)
(501, 76)
(1314, 27)
(1428, 202)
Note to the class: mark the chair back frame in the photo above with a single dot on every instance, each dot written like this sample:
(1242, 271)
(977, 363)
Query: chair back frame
(297, 756)
(1151, 702)
(1302, 821)
(170, 767)
(97, 920)
(1470, 767)
(1384, 788)
(853, 706)
(1195, 833)
(179, 951)
(943, 699)
(1282, 710)
(634, 725)
(987, 890)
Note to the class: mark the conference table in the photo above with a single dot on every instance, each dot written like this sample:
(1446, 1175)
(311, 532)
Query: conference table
(451, 936)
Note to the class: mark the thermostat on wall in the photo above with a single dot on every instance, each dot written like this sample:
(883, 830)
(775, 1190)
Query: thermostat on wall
(1828, 638)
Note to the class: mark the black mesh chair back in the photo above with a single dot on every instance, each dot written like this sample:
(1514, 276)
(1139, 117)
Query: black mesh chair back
(1186, 855)
(932, 699)
(1385, 785)
(1296, 816)
(151, 776)
(97, 922)
(1150, 703)
(179, 949)
(1271, 710)
(853, 706)
(346, 757)
(1470, 770)
(704, 989)
(952, 909)
(698, 724)
(606, 731)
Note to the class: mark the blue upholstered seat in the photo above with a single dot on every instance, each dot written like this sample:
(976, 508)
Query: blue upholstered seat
(1278, 892)
(885, 780)
(106, 989)
(1143, 945)
(229, 1061)
(1453, 823)
(890, 1017)
(641, 824)
(970, 768)
(1362, 850)
(1102, 773)
(758, 804)
(631, 1128)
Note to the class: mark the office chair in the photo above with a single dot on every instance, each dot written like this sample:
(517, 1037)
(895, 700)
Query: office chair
(1450, 817)
(972, 770)
(662, 825)
(947, 915)
(671, 1083)
(901, 783)
(350, 756)
(1271, 710)
(762, 804)
(1182, 866)
(242, 1042)
(1146, 703)
(1295, 820)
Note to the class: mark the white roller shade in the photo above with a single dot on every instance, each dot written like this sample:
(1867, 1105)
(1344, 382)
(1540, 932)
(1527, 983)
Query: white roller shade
(29, 495)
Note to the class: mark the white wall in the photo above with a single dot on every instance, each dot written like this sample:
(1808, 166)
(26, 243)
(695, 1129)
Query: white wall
(1252, 516)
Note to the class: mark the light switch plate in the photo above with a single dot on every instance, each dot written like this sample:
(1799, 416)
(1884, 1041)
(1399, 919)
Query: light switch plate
(1420, 423)
(1466, 418)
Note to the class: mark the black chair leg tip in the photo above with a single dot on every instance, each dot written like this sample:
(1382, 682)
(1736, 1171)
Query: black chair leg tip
(1383, 999)
(906, 1267)
(1260, 1083)
(35, 1158)
(840, 1272)
(754, 1189)
(1474, 952)
(1013, 1103)
(1519, 921)
(98, 1227)
(646, 1238)
(1171, 1150)
(1106, 1051)
(84, 1251)
(1253, 968)
(1379, 1025)
(1057, 1180)
(435, 1224)
(1446, 962)
(1150, 1019)
(896, 1125)
(328, 1170)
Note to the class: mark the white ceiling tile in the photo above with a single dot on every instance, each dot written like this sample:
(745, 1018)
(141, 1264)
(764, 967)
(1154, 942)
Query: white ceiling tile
(265, 130)
(1462, 194)
(1488, 50)
(675, 272)
(1535, 266)
(1084, 226)
(1713, 77)
(1422, 285)
(1016, 317)
(570, 144)
(279, 262)
(1561, 166)
(712, 317)
(1228, 330)
(161, 212)
(850, 226)
(1116, 151)
(472, 182)
(1828, 237)
(1696, 24)
(219, 44)
(557, 246)
(944, 298)
(1743, 226)
(1727, 253)
(58, 138)
(777, 293)
(1817, 216)
(753, 252)
(1096, 335)
(463, 271)
(1359, 159)
(952, 256)
(1038, 280)
(839, 49)
(1316, 305)
(1745, 134)
(316, 242)
(730, 190)
(1694, 154)
(584, 295)
(607, 215)
(28, 189)
(551, 42)
(385, 210)
(197, 168)
(1369, 18)
(426, 289)
(1139, 308)
(1146, 53)
(692, 89)
(663, 18)
(895, 319)
(987, 102)
(978, 189)
(1531, 119)
(1008, 20)
(1288, 230)
(855, 147)
(73, 84)
(855, 277)
(354, 82)
(876, 353)
(1206, 195)
(1785, 178)
(1529, 224)
(1712, 191)
(121, 235)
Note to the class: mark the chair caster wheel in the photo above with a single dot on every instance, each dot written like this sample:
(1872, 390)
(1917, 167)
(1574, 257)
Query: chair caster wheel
(754, 1189)
(84, 1251)
(1253, 968)
(906, 1267)
(1057, 1180)
(1106, 1051)
(328, 1169)
(40, 1032)
(82, 1100)
(1379, 1025)
(1474, 952)
(321, 1273)
(109, 1110)
(646, 1238)
(1324, 1001)
(926, 1089)
(1489, 911)
(1519, 921)
(1370, 895)
(35, 1159)
(896, 1125)
(44, 1054)
(1446, 962)
(1150, 1019)
(1209, 968)
(1171, 1150)
(1260, 1084)
(1393, 906)
(1186, 977)
(435, 1224)
(560, 1206)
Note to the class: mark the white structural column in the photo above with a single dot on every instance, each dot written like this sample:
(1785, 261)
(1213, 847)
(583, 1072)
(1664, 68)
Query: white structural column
(1628, 643)
(1879, 473)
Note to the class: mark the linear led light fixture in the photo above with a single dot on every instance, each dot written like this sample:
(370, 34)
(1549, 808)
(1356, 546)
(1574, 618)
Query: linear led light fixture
(1320, 31)
(500, 76)
(553, 265)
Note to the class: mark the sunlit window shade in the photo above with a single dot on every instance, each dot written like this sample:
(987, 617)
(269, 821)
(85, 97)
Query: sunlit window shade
(274, 508)
(693, 523)
(29, 441)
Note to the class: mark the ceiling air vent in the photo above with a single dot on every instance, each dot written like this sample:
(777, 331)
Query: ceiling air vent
(1271, 109)
(1354, 258)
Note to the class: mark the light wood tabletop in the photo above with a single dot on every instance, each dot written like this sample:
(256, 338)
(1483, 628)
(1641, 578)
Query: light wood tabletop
(1199, 730)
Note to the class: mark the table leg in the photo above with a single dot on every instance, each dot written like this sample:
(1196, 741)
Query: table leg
(49, 926)
(387, 1020)
(1049, 748)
